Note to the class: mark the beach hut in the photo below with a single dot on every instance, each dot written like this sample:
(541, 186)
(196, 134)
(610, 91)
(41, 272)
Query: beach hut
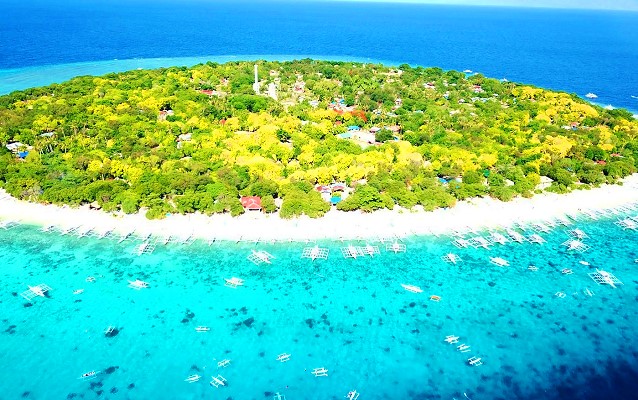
(251, 203)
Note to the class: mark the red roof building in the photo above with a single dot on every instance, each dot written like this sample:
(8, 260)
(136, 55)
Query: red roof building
(251, 203)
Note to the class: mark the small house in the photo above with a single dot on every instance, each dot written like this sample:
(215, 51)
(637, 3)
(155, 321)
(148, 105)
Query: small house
(395, 129)
(15, 146)
(251, 203)
(339, 187)
(365, 136)
(163, 114)
(323, 189)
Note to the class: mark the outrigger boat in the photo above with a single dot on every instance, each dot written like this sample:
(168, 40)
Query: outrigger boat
(412, 288)
(353, 395)
(607, 278)
(192, 378)
(89, 375)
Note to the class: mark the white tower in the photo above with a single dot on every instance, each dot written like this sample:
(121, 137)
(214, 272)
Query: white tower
(256, 84)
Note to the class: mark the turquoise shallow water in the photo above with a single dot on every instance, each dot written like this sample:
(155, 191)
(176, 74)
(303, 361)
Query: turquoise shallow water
(349, 316)
(33, 76)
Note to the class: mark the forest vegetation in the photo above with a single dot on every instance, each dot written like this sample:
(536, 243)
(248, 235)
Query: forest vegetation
(196, 139)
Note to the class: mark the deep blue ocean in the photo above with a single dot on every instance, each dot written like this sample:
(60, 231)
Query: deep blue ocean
(577, 51)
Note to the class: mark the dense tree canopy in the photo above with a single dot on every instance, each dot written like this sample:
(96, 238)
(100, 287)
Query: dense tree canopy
(195, 139)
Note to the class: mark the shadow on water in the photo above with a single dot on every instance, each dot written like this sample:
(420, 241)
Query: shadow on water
(616, 380)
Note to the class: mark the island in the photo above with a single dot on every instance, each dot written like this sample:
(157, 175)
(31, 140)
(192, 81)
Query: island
(301, 138)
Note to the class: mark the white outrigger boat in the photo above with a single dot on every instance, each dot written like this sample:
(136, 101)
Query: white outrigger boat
(89, 375)
(223, 363)
(260, 257)
(352, 251)
(320, 372)
(451, 258)
(501, 262)
(352, 395)
(515, 236)
(575, 244)
(145, 248)
(192, 378)
(315, 253)
(412, 288)
(202, 329)
(138, 284)
(536, 238)
(35, 291)
(218, 381)
(607, 278)
(497, 237)
(577, 234)
(396, 247)
(461, 243)
(370, 250)
(233, 282)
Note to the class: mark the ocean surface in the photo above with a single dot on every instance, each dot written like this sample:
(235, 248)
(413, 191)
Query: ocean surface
(578, 51)
(350, 316)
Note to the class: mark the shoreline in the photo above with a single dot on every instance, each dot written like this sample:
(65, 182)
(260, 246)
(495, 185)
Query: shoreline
(474, 214)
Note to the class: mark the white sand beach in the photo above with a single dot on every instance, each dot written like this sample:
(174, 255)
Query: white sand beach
(467, 215)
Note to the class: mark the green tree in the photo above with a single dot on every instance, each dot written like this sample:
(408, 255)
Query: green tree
(383, 135)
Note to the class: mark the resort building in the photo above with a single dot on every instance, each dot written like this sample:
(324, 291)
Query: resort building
(251, 203)
(211, 93)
